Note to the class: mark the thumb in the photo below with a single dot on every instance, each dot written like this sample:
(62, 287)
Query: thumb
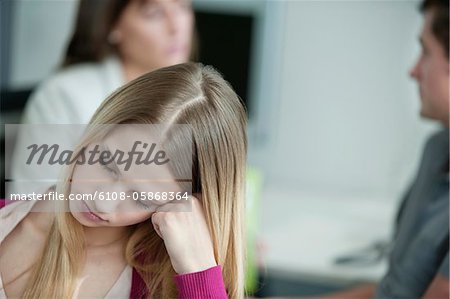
(155, 221)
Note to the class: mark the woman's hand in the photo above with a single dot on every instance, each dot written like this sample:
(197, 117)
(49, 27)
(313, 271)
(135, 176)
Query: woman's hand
(186, 235)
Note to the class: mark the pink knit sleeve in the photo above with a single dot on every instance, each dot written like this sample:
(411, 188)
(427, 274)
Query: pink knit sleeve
(203, 284)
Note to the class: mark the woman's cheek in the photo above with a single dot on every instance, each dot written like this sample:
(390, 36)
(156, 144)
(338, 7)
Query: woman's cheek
(130, 218)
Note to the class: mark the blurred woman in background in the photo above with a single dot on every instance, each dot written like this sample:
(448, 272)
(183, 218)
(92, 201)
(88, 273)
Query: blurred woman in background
(114, 41)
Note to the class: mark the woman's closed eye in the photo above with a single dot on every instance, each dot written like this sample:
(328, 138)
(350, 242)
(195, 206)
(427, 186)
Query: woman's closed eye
(109, 169)
(143, 205)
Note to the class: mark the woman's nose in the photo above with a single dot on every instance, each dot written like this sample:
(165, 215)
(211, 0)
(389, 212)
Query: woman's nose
(107, 198)
(173, 20)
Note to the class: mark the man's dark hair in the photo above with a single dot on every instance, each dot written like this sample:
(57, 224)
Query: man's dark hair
(440, 21)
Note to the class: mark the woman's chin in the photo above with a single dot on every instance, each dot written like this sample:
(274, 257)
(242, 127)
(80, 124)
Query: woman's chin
(77, 216)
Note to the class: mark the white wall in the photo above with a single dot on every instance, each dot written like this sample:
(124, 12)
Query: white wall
(346, 110)
(41, 30)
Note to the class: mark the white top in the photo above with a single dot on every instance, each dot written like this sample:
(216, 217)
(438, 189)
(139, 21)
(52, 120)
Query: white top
(13, 213)
(71, 96)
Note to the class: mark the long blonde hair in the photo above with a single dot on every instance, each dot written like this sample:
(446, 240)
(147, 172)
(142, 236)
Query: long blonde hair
(187, 93)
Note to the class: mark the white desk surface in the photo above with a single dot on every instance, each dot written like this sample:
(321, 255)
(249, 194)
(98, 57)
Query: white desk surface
(303, 233)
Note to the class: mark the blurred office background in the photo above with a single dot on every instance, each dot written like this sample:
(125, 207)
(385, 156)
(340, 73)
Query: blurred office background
(333, 119)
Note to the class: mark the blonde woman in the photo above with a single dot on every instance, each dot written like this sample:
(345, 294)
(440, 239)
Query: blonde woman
(130, 249)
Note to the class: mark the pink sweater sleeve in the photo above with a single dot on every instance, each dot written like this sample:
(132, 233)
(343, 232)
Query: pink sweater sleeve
(203, 284)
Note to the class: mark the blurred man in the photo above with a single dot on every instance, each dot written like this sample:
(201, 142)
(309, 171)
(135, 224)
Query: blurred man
(419, 264)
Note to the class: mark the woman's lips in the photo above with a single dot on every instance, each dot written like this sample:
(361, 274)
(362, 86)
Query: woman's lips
(176, 49)
(90, 214)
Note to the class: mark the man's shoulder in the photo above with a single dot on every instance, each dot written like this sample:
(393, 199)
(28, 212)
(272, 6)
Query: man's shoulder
(436, 152)
(438, 139)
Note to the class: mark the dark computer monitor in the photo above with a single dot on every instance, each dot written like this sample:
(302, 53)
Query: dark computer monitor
(225, 42)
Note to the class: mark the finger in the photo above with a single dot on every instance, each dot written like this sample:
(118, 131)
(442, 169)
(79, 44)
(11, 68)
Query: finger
(155, 222)
(196, 199)
(197, 196)
(182, 206)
